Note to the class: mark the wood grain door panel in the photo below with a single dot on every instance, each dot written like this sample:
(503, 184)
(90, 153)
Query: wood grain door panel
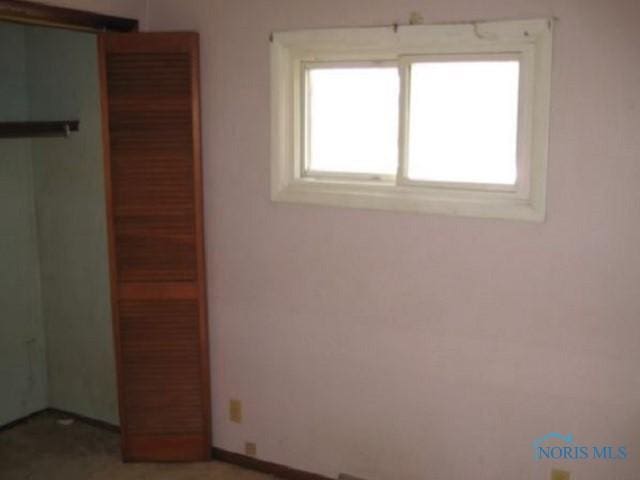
(154, 193)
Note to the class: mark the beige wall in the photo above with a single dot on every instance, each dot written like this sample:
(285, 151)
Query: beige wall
(401, 346)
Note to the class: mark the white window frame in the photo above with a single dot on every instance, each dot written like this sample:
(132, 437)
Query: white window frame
(529, 41)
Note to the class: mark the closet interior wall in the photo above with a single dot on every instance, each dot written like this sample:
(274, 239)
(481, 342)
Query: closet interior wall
(69, 346)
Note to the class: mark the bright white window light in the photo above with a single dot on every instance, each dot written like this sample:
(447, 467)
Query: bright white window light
(352, 120)
(463, 122)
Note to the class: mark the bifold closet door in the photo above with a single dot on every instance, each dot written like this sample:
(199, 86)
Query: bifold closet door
(151, 123)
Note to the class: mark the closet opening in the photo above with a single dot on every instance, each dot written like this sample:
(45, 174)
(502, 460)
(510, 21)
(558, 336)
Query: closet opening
(56, 287)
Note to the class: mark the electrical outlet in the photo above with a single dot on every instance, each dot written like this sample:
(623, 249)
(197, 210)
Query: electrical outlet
(250, 449)
(416, 18)
(235, 410)
(560, 474)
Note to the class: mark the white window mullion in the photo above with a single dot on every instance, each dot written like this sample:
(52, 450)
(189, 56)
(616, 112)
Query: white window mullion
(306, 119)
(404, 70)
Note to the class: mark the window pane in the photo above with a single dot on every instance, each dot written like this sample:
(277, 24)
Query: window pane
(464, 121)
(353, 120)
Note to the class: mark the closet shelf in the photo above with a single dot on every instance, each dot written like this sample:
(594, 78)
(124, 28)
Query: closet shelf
(38, 129)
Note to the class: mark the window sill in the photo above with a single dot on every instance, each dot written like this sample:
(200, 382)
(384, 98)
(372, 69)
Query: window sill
(419, 199)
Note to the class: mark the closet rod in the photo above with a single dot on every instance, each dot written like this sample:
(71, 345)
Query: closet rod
(38, 129)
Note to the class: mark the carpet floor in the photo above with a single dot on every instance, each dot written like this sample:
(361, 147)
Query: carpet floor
(43, 449)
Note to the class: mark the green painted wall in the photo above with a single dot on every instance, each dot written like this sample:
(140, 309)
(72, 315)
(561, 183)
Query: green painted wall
(23, 375)
(56, 344)
(71, 224)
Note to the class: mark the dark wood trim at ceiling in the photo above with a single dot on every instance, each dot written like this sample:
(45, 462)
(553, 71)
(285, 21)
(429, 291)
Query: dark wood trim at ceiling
(36, 13)
(275, 469)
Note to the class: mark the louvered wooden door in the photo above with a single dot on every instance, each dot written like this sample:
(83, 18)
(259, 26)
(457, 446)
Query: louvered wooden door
(151, 123)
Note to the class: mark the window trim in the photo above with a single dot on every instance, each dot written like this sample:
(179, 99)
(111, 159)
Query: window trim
(529, 40)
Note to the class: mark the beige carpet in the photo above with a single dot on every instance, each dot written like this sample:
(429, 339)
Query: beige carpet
(42, 449)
